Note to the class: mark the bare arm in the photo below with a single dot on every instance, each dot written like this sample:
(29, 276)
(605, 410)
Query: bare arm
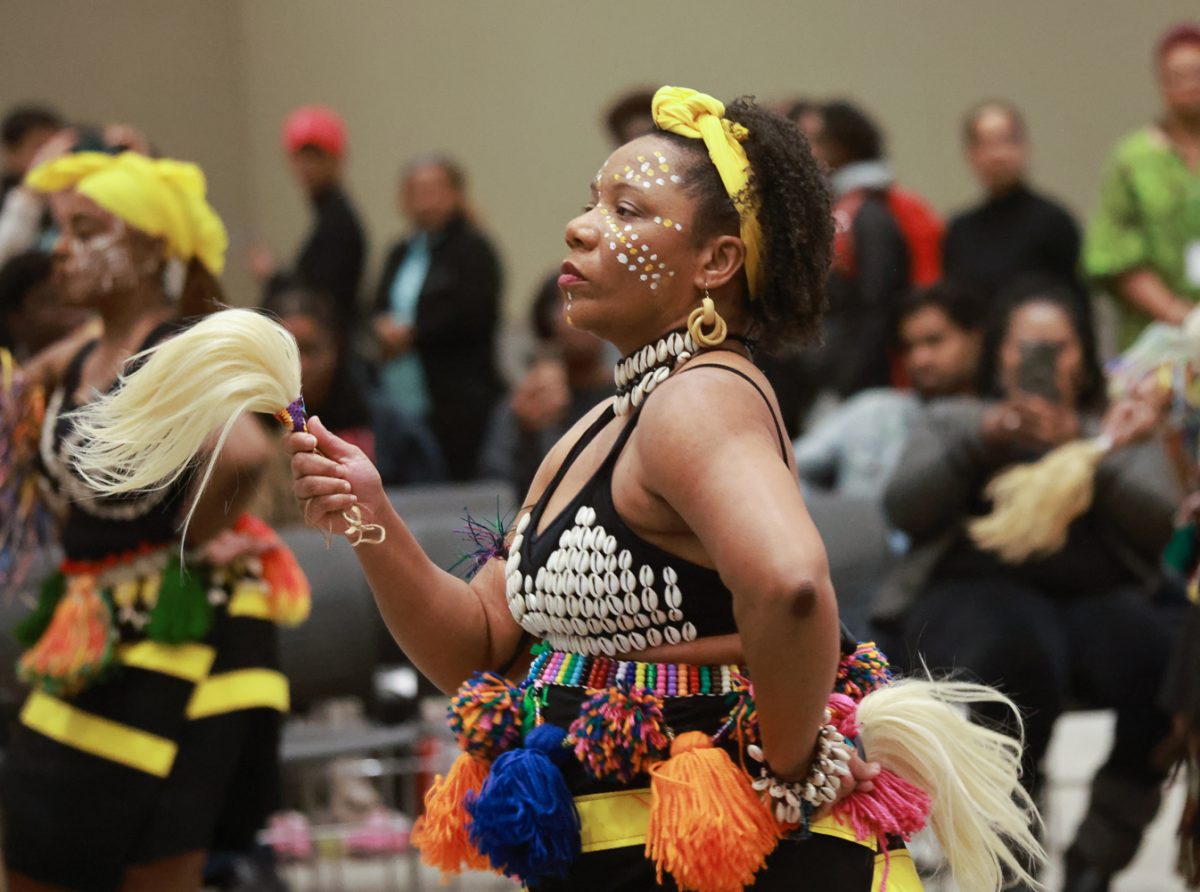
(448, 628)
(234, 479)
(711, 454)
(1143, 289)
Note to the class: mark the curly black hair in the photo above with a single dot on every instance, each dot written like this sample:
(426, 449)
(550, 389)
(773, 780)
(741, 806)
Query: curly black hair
(794, 212)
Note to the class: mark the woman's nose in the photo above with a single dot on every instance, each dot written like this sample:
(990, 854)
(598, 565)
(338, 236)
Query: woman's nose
(582, 231)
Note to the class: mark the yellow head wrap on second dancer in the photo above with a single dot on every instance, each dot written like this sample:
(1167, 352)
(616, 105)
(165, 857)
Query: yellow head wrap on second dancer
(161, 197)
(700, 116)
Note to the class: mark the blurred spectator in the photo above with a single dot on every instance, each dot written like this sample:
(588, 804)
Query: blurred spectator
(805, 114)
(436, 312)
(33, 314)
(1048, 631)
(854, 448)
(572, 375)
(1014, 231)
(334, 388)
(1143, 244)
(629, 117)
(24, 130)
(332, 256)
(887, 239)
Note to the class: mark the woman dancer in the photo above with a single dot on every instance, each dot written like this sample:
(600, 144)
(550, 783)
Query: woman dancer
(155, 693)
(664, 561)
(685, 480)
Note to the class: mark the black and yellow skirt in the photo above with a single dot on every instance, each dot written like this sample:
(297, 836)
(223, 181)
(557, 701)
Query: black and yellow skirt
(168, 748)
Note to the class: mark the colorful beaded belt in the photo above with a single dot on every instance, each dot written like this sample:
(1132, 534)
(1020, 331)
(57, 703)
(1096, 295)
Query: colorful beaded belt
(664, 679)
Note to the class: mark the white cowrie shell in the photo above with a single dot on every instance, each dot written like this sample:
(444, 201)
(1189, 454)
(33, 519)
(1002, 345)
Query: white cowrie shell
(673, 596)
(612, 584)
(632, 603)
(637, 395)
(587, 607)
(628, 580)
(616, 605)
(621, 642)
(591, 516)
(581, 514)
(646, 576)
(579, 626)
(514, 563)
(583, 586)
(599, 563)
(637, 640)
(594, 626)
(517, 542)
(661, 375)
(654, 637)
(659, 618)
(689, 632)
(624, 623)
(540, 582)
(528, 583)
(625, 560)
(675, 614)
(754, 751)
(607, 646)
(649, 599)
(670, 577)
(570, 584)
(610, 625)
(642, 621)
(574, 607)
(523, 523)
(662, 352)
(610, 548)
(672, 635)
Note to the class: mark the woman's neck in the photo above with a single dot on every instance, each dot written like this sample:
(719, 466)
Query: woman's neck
(131, 316)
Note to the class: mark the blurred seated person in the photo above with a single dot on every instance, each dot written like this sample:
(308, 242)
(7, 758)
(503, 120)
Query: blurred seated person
(334, 385)
(853, 449)
(628, 116)
(33, 314)
(1078, 625)
(437, 309)
(572, 374)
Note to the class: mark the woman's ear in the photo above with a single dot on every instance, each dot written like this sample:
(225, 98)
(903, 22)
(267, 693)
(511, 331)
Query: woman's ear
(721, 260)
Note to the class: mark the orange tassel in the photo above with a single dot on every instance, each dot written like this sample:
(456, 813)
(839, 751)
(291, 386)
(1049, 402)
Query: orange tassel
(707, 827)
(288, 594)
(441, 833)
(77, 644)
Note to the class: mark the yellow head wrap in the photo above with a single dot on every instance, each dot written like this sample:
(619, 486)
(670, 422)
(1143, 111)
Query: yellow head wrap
(160, 197)
(700, 116)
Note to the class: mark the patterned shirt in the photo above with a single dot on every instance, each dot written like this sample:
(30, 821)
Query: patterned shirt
(1149, 216)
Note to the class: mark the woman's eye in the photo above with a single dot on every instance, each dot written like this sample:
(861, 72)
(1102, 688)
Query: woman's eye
(624, 210)
(589, 207)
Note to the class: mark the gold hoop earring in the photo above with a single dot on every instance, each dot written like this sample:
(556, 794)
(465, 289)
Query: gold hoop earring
(706, 315)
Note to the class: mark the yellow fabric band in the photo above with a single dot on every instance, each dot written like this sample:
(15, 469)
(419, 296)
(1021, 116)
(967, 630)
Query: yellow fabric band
(101, 737)
(617, 820)
(250, 599)
(240, 689)
(190, 662)
(700, 116)
(159, 196)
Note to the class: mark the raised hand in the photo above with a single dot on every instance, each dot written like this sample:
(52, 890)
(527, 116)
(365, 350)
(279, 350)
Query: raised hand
(330, 477)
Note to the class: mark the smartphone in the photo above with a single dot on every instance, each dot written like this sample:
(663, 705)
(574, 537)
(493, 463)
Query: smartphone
(1036, 373)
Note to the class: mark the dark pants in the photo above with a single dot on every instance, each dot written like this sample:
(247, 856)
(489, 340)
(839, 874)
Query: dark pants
(1106, 651)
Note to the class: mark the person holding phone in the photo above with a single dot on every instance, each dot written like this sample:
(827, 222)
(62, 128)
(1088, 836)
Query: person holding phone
(1048, 631)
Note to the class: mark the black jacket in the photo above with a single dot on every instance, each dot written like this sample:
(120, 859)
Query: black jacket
(458, 312)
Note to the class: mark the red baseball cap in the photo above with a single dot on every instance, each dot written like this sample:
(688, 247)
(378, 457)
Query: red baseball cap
(314, 125)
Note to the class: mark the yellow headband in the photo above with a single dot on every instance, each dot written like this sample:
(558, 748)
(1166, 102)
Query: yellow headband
(700, 116)
(161, 197)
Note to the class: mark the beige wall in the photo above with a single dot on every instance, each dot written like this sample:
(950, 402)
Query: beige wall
(514, 89)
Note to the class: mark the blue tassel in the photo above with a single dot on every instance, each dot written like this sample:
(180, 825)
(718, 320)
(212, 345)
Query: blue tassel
(524, 819)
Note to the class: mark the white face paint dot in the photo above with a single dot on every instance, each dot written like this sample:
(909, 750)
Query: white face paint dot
(621, 258)
(634, 236)
(659, 181)
(654, 257)
(645, 168)
(643, 277)
(675, 178)
(645, 184)
(628, 228)
(612, 246)
(653, 286)
(671, 273)
(656, 275)
(633, 267)
(658, 219)
(678, 228)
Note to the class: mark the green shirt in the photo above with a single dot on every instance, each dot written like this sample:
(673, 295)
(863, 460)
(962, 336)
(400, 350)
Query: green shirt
(1149, 214)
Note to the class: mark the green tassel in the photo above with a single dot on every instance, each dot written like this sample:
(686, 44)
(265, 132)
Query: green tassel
(29, 630)
(182, 612)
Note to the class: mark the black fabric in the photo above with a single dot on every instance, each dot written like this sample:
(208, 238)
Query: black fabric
(817, 864)
(332, 257)
(1181, 693)
(458, 312)
(85, 536)
(709, 603)
(862, 307)
(78, 821)
(1107, 651)
(1017, 234)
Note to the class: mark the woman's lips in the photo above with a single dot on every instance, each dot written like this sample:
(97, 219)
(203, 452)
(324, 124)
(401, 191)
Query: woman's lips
(571, 276)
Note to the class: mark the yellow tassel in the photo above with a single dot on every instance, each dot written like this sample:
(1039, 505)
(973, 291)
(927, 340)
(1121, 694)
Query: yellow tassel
(707, 828)
(441, 833)
(1034, 504)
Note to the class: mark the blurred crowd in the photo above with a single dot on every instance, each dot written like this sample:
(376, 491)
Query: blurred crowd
(953, 347)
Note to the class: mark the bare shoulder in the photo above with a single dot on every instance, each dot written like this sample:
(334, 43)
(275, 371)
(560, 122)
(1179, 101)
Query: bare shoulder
(709, 399)
(558, 452)
(49, 366)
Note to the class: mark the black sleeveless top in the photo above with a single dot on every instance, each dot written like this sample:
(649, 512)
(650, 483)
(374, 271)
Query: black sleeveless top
(589, 584)
(96, 527)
